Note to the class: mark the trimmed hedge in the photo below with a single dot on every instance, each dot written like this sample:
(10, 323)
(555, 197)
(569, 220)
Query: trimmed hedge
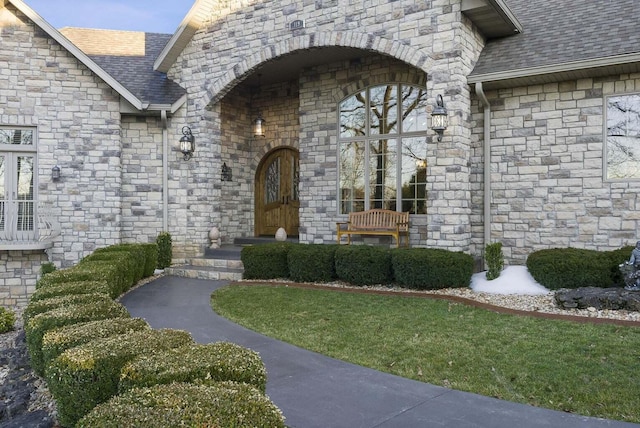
(88, 271)
(75, 287)
(84, 376)
(570, 268)
(67, 315)
(266, 261)
(127, 265)
(39, 306)
(223, 404)
(363, 264)
(431, 268)
(219, 361)
(312, 262)
(56, 341)
(165, 251)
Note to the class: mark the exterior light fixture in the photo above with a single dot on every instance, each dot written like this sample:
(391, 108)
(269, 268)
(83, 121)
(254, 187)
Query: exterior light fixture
(226, 174)
(439, 118)
(258, 126)
(187, 143)
(55, 173)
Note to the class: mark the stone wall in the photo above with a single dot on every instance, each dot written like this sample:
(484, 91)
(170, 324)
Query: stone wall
(547, 171)
(77, 121)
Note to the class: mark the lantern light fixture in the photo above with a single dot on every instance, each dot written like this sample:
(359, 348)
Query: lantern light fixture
(258, 126)
(55, 173)
(187, 143)
(226, 174)
(439, 118)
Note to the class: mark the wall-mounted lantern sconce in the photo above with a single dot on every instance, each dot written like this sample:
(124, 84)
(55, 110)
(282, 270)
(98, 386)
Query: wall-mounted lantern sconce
(421, 163)
(226, 174)
(258, 127)
(439, 118)
(55, 173)
(187, 143)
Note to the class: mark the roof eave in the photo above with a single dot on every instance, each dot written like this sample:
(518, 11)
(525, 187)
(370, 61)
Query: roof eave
(492, 17)
(183, 35)
(81, 56)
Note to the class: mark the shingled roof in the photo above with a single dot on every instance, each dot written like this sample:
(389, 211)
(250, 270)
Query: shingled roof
(128, 56)
(563, 35)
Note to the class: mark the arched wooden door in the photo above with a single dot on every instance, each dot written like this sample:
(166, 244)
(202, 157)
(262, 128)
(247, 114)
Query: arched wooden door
(277, 196)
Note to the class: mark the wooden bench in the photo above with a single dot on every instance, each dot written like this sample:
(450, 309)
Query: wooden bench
(375, 222)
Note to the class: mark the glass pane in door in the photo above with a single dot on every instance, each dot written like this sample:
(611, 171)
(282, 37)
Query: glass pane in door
(3, 193)
(25, 201)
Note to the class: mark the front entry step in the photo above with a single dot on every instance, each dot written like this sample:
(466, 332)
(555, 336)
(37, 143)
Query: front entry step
(206, 268)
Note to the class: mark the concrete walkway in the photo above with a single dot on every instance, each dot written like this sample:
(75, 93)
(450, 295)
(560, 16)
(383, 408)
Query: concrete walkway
(316, 391)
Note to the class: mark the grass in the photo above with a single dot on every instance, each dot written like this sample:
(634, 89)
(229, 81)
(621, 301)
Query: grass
(589, 369)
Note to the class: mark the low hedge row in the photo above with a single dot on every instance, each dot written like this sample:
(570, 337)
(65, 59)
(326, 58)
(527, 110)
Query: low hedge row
(420, 268)
(573, 267)
(56, 341)
(84, 376)
(38, 325)
(221, 361)
(79, 338)
(223, 404)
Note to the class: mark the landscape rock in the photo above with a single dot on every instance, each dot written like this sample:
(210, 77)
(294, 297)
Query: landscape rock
(615, 298)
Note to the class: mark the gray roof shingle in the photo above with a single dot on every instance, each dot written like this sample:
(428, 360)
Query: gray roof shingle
(563, 31)
(128, 57)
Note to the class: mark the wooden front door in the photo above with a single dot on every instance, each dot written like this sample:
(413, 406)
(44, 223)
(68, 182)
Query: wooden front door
(277, 201)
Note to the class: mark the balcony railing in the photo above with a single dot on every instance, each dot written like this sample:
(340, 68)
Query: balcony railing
(23, 228)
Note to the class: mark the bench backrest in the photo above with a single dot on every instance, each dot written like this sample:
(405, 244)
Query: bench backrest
(378, 219)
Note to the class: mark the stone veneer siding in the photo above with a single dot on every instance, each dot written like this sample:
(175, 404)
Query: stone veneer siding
(77, 117)
(548, 180)
(432, 39)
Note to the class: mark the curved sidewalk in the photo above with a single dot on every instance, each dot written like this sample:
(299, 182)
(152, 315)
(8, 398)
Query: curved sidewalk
(317, 391)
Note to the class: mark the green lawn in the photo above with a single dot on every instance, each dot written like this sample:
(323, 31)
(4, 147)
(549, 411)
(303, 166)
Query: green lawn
(588, 369)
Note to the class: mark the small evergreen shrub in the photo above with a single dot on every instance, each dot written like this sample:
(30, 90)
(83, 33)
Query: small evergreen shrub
(151, 258)
(570, 268)
(131, 263)
(46, 268)
(165, 252)
(495, 260)
(266, 261)
(312, 262)
(56, 341)
(36, 307)
(222, 404)
(76, 287)
(87, 271)
(84, 376)
(7, 320)
(363, 264)
(430, 268)
(38, 325)
(195, 364)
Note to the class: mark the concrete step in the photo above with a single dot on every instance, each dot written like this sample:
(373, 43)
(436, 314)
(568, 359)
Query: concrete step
(205, 272)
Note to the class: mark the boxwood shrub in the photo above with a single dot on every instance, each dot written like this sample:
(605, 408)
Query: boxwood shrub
(223, 404)
(143, 256)
(431, 268)
(66, 315)
(75, 287)
(266, 261)
(196, 363)
(570, 268)
(130, 267)
(84, 376)
(36, 307)
(312, 262)
(88, 271)
(7, 320)
(56, 341)
(363, 264)
(165, 251)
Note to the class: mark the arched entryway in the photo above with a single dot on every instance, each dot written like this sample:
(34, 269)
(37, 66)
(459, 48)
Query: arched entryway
(277, 197)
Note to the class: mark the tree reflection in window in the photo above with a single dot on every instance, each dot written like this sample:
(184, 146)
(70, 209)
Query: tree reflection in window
(623, 136)
(272, 182)
(383, 148)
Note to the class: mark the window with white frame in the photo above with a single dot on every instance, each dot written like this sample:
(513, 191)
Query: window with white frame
(623, 137)
(17, 179)
(382, 149)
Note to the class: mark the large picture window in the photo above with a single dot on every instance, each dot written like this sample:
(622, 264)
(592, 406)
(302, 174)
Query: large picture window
(623, 137)
(382, 149)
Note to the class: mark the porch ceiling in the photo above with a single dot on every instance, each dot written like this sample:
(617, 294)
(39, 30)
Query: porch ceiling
(288, 67)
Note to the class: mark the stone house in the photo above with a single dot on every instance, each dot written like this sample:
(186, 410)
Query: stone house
(541, 148)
